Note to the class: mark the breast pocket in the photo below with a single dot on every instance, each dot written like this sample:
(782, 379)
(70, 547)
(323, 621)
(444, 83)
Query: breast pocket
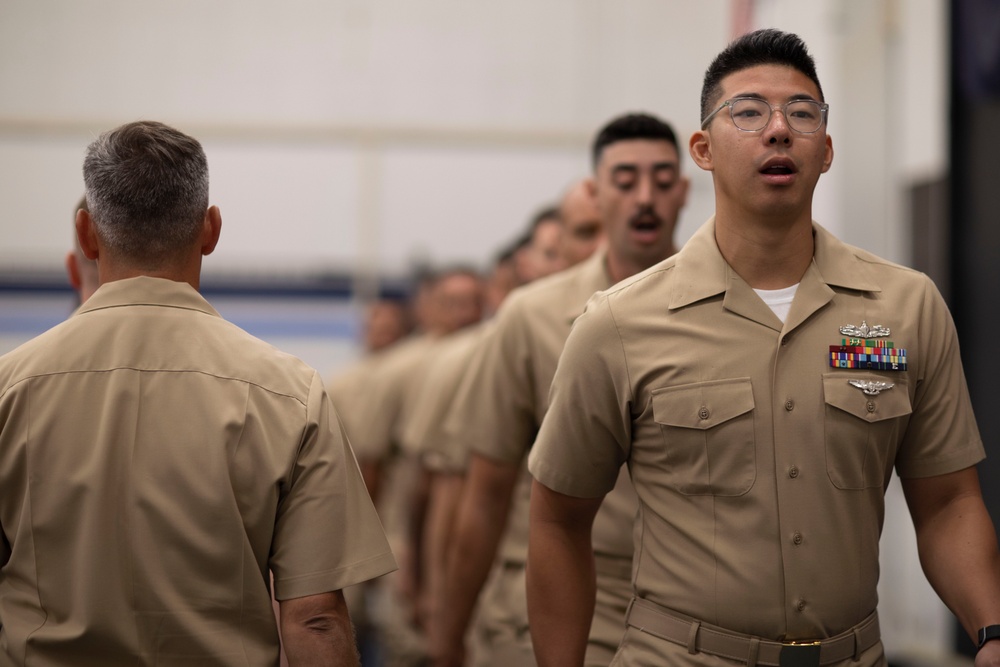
(708, 437)
(861, 430)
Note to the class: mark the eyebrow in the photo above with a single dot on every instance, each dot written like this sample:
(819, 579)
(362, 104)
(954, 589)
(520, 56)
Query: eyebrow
(630, 168)
(791, 98)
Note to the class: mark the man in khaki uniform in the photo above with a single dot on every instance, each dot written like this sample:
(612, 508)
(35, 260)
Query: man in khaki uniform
(637, 191)
(386, 403)
(442, 453)
(156, 461)
(582, 231)
(386, 323)
(761, 385)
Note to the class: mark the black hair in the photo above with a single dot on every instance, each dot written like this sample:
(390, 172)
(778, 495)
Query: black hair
(761, 47)
(632, 126)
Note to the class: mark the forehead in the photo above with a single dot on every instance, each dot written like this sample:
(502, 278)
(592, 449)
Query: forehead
(546, 230)
(775, 82)
(578, 207)
(457, 282)
(637, 152)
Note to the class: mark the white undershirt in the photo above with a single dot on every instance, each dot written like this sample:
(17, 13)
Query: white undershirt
(778, 300)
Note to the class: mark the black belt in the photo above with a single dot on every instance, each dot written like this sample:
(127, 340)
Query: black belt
(698, 637)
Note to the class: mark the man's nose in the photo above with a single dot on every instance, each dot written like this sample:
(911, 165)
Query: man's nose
(777, 130)
(644, 192)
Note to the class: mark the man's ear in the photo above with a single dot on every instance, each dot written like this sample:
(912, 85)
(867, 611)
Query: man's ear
(828, 158)
(700, 147)
(211, 229)
(73, 271)
(86, 235)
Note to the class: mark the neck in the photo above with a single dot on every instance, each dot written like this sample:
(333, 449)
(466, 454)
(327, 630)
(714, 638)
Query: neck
(110, 271)
(621, 267)
(768, 254)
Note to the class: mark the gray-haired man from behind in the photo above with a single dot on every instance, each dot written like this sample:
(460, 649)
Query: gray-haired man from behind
(156, 461)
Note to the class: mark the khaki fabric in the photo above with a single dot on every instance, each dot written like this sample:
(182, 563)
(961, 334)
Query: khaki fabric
(642, 649)
(347, 391)
(387, 404)
(507, 388)
(443, 450)
(156, 461)
(382, 406)
(760, 470)
(501, 637)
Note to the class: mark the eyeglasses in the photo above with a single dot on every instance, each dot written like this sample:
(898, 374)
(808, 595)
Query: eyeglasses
(751, 114)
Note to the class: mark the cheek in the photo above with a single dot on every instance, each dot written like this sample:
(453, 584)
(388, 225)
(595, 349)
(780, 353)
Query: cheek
(610, 208)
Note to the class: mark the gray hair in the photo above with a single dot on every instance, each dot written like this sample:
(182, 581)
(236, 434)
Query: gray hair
(147, 191)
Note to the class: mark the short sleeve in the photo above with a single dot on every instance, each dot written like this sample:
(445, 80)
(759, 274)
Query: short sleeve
(942, 435)
(327, 534)
(586, 434)
(500, 393)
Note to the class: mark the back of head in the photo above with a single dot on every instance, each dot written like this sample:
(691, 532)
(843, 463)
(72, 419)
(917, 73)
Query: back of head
(631, 127)
(147, 191)
(761, 47)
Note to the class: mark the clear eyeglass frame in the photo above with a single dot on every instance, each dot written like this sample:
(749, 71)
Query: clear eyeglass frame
(803, 124)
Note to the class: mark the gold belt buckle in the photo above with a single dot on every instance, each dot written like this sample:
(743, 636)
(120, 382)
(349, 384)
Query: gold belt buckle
(799, 654)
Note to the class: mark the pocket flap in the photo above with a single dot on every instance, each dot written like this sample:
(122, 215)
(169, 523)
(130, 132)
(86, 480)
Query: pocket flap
(887, 404)
(702, 405)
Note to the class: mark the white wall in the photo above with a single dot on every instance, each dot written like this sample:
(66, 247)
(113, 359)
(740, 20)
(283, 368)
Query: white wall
(342, 134)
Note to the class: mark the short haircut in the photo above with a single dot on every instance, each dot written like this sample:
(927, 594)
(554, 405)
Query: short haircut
(761, 47)
(629, 127)
(543, 215)
(147, 191)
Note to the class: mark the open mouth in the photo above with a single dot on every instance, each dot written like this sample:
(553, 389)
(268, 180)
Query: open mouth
(646, 229)
(778, 167)
(646, 223)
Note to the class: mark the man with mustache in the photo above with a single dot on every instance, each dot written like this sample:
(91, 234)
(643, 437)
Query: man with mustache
(638, 191)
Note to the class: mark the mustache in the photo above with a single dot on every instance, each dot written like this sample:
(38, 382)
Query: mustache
(645, 214)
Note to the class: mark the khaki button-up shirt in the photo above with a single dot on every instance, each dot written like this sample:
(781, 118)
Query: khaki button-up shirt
(760, 468)
(507, 395)
(156, 461)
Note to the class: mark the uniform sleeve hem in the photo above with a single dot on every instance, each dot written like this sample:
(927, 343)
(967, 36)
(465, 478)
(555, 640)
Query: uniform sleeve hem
(557, 480)
(334, 580)
(967, 457)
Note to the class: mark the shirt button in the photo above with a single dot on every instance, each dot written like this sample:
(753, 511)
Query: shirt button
(871, 406)
(797, 539)
(784, 340)
(800, 605)
(793, 472)
(704, 413)
(789, 405)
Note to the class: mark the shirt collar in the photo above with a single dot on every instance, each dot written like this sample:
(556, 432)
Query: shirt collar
(147, 291)
(701, 272)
